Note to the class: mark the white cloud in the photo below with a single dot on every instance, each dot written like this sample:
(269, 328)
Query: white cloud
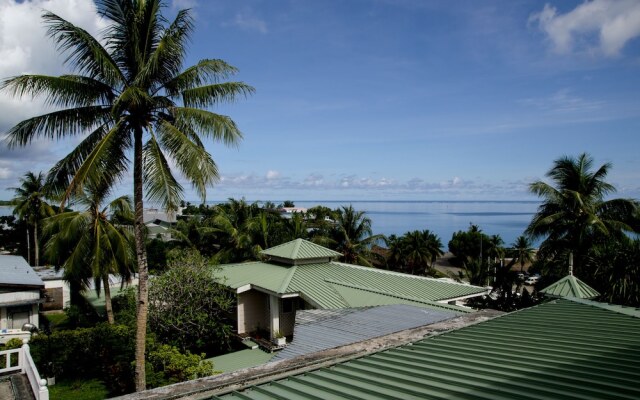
(271, 175)
(563, 101)
(612, 22)
(250, 22)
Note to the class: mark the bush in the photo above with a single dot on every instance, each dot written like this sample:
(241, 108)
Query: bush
(169, 366)
(105, 351)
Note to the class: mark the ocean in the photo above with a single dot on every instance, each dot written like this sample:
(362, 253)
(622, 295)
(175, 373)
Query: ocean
(508, 219)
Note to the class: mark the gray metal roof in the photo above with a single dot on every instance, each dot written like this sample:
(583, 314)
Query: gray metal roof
(14, 270)
(317, 330)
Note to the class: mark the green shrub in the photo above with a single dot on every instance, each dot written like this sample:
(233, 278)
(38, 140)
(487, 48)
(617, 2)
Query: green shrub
(169, 366)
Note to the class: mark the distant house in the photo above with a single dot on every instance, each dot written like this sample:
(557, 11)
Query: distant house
(159, 229)
(20, 295)
(300, 275)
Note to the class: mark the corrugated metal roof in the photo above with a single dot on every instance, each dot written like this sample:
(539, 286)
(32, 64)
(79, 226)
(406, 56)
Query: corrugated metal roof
(300, 249)
(318, 330)
(14, 270)
(240, 359)
(563, 349)
(338, 285)
(570, 286)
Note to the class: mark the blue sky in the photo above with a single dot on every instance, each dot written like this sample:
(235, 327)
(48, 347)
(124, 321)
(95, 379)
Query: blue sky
(390, 99)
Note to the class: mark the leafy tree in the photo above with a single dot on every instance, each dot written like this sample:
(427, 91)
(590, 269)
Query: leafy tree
(131, 93)
(574, 215)
(468, 245)
(189, 307)
(31, 207)
(89, 245)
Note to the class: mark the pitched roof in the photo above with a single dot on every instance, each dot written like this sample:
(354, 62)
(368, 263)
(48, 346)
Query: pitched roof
(15, 271)
(570, 286)
(317, 330)
(299, 250)
(563, 349)
(339, 285)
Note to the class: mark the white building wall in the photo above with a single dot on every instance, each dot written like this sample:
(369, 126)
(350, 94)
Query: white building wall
(253, 311)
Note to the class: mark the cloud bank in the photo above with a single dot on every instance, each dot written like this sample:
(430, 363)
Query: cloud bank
(599, 27)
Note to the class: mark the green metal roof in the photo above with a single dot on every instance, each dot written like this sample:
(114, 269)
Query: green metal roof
(339, 285)
(240, 360)
(570, 286)
(563, 349)
(299, 250)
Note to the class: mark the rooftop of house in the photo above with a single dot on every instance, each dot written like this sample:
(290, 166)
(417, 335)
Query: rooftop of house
(16, 272)
(306, 269)
(570, 286)
(317, 330)
(562, 349)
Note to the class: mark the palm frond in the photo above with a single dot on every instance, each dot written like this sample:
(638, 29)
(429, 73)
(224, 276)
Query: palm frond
(167, 58)
(159, 182)
(58, 124)
(207, 124)
(85, 52)
(204, 72)
(193, 161)
(210, 95)
(60, 91)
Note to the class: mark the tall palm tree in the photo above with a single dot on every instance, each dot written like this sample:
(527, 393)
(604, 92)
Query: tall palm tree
(132, 95)
(93, 243)
(352, 236)
(574, 214)
(31, 207)
(522, 251)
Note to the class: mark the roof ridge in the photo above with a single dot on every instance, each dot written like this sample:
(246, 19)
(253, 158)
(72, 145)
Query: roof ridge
(373, 290)
(617, 308)
(287, 281)
(384, 271)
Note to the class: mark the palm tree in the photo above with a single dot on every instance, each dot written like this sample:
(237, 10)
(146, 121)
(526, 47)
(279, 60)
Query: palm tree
(352, 236)
(90, 245)
(574, 214)
(522, 251)
(31, 207)
(132, 95)
(494, 248)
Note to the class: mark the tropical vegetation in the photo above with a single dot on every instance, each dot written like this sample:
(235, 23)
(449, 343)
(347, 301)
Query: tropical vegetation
(92, 244)
(31, 207)
(131, 93)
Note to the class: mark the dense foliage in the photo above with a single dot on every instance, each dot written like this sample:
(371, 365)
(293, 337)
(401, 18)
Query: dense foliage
(189, 308)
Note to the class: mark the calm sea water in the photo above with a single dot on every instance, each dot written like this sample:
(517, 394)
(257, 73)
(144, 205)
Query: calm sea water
(508, 219)
(505, 218)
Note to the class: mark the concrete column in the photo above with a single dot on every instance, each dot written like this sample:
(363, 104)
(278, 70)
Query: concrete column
(3, 318)
(274, 310)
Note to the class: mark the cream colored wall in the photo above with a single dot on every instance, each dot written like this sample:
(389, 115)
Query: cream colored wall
(253, 311)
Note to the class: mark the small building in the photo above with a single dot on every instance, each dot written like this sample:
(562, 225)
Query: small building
(20, 296)
(300, 275)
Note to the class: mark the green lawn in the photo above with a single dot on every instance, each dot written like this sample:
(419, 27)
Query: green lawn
(78, 390)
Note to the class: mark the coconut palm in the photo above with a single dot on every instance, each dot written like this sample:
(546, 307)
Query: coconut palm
(31, 207)
(352, 236)
(522, 251)
(93, 243)
(574, 214)
(132, 97)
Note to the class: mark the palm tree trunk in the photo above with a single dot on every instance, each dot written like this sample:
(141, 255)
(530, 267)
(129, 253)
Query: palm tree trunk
(28, 246)
(107, 299)
(143, 273)
(35, 244)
